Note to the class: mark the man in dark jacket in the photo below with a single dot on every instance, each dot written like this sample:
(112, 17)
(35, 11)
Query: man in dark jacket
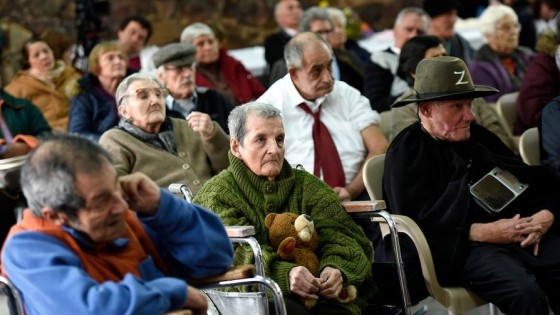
(175, 65)
(487, 216)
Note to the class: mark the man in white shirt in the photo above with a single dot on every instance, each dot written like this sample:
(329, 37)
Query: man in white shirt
(347, 115)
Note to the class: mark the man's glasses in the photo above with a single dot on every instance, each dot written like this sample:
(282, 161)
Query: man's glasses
(180, 68)
(144, 94)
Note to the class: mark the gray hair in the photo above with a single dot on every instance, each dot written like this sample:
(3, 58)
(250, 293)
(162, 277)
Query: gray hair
(48, 176)
(489, 18)
(126, 82)
(313, 14)
(293, 51)
(237, 119)
(336, 13)
(194, 30)
(414, 10)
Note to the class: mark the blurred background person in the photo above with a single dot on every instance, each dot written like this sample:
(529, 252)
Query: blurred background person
(501, 62)
(218, 70)
(428, 46)
(528, 31)
(133, 34)
(540, 84)
(169, 150)
(546, 12)
(444, 16)
(382, 84)
(286, 15)
(48, 83)
(176, 69)
(94, 110)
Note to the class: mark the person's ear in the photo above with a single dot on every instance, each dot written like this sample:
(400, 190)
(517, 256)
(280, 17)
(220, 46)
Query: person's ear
(293, 73)
(235, 145)
(122, 111)
(425, 109)
(58, 218)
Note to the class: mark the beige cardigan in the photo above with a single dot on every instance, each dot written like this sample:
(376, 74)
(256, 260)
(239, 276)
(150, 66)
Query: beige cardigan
(197, 160)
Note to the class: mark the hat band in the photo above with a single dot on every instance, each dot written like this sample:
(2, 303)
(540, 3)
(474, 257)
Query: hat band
(441, 94)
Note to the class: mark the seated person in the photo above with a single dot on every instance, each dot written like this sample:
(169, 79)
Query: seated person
(48, 83)
(428, 46)
(259, 181)
(176, 69)
(217, 69)
(507, 253)
(93, 243)
(501, 62)
(24, 124)
(94, 110)
(168, 150)
(550, 136)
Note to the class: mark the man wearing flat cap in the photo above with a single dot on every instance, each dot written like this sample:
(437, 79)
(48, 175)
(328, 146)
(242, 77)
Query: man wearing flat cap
(444, 16)
(176, 69)
(488, 217)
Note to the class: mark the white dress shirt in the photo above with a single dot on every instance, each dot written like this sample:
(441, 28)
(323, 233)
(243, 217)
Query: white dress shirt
(345, 113)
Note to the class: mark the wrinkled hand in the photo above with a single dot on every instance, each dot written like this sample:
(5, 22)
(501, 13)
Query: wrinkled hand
(331, 283)
(303, 283)
(201, 123)
(196, 301)
(140, 192)
(533, 231)
(343, 193)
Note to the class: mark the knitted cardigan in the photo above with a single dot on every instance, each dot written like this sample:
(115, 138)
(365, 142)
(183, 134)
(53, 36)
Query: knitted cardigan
(240, 197)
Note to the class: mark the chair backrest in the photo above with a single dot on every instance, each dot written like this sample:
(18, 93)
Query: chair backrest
(385, 125)
(373, 176)
(10, 297)
(506, 109)
(529, 147)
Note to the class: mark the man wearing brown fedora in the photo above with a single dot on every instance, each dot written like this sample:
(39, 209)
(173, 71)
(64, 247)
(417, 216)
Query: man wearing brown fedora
(487, 216)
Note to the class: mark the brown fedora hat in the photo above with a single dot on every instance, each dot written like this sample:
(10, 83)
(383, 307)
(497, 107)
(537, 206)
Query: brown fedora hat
(443, 78)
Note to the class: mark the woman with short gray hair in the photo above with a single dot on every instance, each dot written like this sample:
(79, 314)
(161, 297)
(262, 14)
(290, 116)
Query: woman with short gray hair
(168, 150)
(501, 62)
(218, 70)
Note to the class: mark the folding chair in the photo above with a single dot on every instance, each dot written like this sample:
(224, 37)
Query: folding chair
(529, 146)
(239, 235)
(457, 300)
(373, 176)
(11, 298)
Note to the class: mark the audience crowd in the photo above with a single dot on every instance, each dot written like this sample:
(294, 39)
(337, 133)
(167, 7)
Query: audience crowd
(142, 117)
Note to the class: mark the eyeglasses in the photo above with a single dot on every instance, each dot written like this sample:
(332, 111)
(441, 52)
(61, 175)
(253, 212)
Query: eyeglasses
(509, 27)
(144, 94)
(324, 32)
(180, 68)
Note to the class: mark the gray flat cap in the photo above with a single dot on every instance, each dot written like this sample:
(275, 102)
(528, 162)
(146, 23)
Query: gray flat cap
(176, 54)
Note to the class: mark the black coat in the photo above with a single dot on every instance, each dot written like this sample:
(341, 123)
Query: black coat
(428, 180)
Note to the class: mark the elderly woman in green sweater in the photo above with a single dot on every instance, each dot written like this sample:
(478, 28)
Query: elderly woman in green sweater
(169, 150)
(260, 181)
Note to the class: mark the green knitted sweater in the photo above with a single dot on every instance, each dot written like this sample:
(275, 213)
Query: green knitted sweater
(240, 197)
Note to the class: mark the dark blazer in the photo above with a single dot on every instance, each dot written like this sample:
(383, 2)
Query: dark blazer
(274, 47)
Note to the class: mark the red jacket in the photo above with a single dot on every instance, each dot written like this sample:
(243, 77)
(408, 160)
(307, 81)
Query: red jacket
(244, 85)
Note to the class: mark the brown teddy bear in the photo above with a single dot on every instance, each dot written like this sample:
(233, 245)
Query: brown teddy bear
(294, 238)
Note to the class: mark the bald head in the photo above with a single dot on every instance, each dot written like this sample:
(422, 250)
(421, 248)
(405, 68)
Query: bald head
(294, 50)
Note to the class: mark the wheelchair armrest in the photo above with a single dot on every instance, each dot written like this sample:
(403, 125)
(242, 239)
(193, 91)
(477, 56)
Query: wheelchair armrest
(234, 273)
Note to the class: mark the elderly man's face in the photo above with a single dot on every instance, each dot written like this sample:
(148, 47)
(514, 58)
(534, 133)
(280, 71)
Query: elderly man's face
(314, 79)
(144, 105)
(263, 146)
(133, 37)
(448, 119)
(288, 13)
(443, 25)
(179, 81)
(207, 49)
(102, 218)
(411, 25)
(112, 64)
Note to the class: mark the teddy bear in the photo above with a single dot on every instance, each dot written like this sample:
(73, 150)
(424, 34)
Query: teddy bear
(295, 240)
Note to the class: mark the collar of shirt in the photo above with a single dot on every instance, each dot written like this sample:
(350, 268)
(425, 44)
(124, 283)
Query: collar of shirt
(396, 50)
(169, 100)
(291, 31)
(85, 242)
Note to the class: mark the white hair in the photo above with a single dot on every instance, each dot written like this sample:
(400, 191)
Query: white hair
(489, 18)
(194, 30)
